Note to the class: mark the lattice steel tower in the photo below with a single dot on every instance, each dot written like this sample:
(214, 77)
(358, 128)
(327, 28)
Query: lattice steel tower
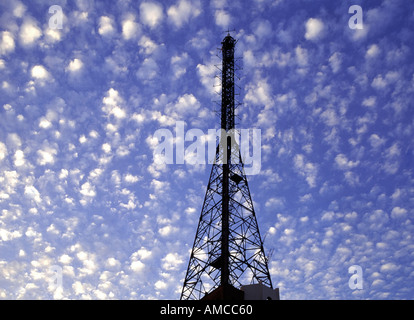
(228, 250)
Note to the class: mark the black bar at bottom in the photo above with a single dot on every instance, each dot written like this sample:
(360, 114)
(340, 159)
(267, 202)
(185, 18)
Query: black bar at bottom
(176, 309)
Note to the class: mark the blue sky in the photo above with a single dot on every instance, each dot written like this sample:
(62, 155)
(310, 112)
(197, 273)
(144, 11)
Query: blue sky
(80, 192)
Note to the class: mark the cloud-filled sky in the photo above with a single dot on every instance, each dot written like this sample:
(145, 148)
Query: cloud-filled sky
(80, 192)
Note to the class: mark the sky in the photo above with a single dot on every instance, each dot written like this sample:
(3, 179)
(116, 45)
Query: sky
(86, 212)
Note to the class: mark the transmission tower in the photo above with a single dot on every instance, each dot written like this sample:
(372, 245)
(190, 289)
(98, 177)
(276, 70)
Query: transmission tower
(228, 252)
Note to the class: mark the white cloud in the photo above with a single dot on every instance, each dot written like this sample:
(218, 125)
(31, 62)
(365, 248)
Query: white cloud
(178, 64)
(389, 267)
(3, 151)
(376, 219)
(112, 103)
(52, 35)
(372, 51)
(335, 61)
(106, 147)
(249, 59)
(164, 120)
(376, 141)
(138, 117)
(301, 56)
(137, 266)
(351, 178)
(206, 75)
(160, 285)
(65, 259)
(259, 93)
(148, 69)
(29, 32)
(82, 139)
(262, 28)
(94, 134)
(130, 29)
(123, 151)
(158, 166)
(167, 230)
(115, 178)
(200, 40)
(275, 203)
(397, 194)
(330, 117)
(19, 9)
(328, 216)
(19, 158)
(129, 178)
(106, 26)
(222, 18)
(172, 261)
(82, 255)
(392, 159)
(112, 262)
(88, 190)
(89, 263)
(118, 112)
(142, 254)
(6, 43)
(343, 163)
(6, 235)
(186, 104)
(44, 123)
(183, 11)
(52, 229)
(314, 28)
(307, 169)
(74, 65)
(39, 72)
(151, 13)
(112, 98)
(305, 197)
(46, 156)
(32, 193)
(369, 102)
(398, 212)
(147, 45)
(78, 287)
(10, 181)
(7, 106)
(379, 82)
(159, 186)
(100, 294)
(129, 206)
(190, 210)
(360, 34)
(63, 173)
(13, 140)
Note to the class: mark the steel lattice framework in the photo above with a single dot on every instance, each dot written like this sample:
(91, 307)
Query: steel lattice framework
(227, 248)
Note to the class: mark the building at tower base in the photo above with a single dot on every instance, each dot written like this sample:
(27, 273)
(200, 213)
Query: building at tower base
(255, 291)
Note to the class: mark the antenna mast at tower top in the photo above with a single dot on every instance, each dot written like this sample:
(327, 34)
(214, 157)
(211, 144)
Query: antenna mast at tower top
(227, 80)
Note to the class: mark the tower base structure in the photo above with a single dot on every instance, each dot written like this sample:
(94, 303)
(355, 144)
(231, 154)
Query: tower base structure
(259, 291)
(256, 291)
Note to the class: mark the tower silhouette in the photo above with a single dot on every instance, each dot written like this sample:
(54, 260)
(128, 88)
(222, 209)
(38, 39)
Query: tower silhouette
(228, 250)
